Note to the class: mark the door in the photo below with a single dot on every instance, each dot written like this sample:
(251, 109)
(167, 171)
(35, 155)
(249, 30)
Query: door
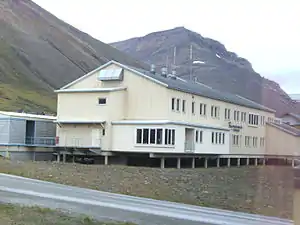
(96, 138)
(30, 132)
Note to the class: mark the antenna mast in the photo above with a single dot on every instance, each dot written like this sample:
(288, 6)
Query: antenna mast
(191, 61)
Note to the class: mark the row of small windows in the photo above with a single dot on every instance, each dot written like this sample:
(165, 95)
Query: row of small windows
(155, 136)
(239, 116)
(217, 138)
(249, 141)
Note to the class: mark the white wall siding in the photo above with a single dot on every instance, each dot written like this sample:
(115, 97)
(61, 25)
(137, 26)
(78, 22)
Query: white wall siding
(124, 140)
(207, 147)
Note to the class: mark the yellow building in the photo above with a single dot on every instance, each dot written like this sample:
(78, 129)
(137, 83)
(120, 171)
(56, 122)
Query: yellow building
(117, 109)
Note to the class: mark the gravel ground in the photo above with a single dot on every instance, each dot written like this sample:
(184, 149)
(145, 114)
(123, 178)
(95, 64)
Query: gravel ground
(17, 215)
(263, 190)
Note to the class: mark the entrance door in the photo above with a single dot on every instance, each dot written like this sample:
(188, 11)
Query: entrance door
(30, 132)
(96, 138)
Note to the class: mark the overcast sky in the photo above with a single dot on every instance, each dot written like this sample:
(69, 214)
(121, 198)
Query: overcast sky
(267, 33)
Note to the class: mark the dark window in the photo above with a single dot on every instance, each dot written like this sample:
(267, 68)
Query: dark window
(159, 136)
(197, 134)
(173, 103)
(102, 101)
(220, 138)
(204, 111)
(169, 136)
(173, 137)
(212, 137)
(145, 136)
(201, 136)
(183, 105)
(139, 136)
(223, 141)
(166, 136)
(178, 104)
(152, 136)
(193, 107)
(103, 132)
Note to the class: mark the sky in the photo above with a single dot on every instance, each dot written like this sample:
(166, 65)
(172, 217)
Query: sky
(266, 32)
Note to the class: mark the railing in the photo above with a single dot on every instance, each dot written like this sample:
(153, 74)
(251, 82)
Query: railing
(40, 141)
(189, 146)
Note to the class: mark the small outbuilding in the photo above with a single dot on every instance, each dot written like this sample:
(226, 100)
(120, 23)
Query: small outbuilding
(26, 136)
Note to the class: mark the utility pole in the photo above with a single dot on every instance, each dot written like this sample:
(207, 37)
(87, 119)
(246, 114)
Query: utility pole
(191, 62)
(174, 57)
(296, 216)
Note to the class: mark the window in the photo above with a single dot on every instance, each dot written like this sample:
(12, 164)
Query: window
(254, 139)
(197, 138)
(103, 132)
(152, 136)
(173, 103)
(193, 107)
(236, 115)
(262, 142)
(243, 116)
(236, 140)
(227, 114)
(253, 119)
(169, 136)
(145, 136)
(214, 111)
(101, 101)
(247, 141)
(202, 109)
(139, 136)
(178, 104)
(183, 106)
(217, 138)
(201, 136)
(155, 136)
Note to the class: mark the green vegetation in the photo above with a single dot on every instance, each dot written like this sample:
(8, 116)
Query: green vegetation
(18, 90)
(262, 190)
(18, 215)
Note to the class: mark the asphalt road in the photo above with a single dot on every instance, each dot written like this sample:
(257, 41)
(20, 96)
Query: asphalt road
(107, 206)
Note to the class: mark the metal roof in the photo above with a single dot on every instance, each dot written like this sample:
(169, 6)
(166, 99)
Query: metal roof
(27, 115)
(200, 89)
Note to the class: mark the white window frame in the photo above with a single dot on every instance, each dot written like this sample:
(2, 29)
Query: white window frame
(249, 121)
(149, 138)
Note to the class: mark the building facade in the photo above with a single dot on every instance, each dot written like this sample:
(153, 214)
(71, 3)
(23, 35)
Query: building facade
(27, 136)
(121, 109)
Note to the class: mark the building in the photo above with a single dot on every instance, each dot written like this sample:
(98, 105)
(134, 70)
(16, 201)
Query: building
(120, 110)
(27, 136)
(291, 119)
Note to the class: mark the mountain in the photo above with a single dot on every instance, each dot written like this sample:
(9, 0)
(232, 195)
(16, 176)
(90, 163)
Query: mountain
(39, 53)
(216, 67)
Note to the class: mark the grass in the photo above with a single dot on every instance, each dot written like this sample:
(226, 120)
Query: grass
(13, 98)
(18, 215)
(262, 190)
(18, 86)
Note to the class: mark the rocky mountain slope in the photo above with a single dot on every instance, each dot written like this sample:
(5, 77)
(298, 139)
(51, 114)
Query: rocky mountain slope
(39, 53)
(216, 66)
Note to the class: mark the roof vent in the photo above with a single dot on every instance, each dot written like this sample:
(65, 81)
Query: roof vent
(174, 72)
(152, 68)
(164, 71)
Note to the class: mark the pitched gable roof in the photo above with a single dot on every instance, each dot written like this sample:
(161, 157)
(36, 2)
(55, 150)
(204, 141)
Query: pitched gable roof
(200, 89)
(296, 116)
(179, 84)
